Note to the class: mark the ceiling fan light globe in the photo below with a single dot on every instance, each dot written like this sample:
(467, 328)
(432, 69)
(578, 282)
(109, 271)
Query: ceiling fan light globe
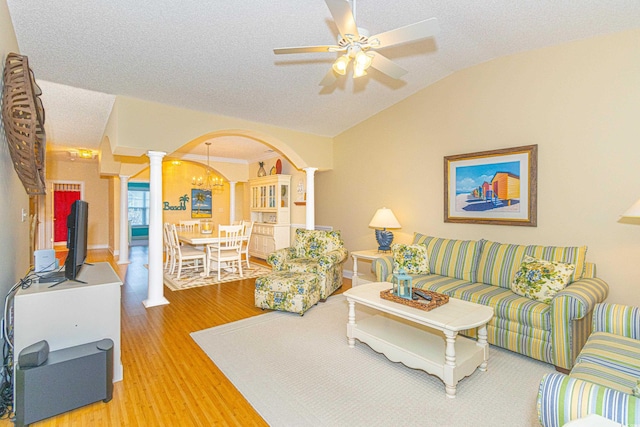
(358, 71)
(363, 60)
(340, 65)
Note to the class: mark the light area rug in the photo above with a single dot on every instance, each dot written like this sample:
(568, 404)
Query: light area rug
(192, 279)
(300, 371)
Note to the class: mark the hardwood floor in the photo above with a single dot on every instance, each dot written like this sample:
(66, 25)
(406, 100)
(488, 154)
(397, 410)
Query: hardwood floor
(168, 380)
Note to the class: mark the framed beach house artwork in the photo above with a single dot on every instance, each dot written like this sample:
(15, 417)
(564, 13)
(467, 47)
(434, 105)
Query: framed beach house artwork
(492, 187)
(201, 203)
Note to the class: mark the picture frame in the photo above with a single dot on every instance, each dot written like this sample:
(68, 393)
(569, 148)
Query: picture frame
(201, 206)
(496, 187)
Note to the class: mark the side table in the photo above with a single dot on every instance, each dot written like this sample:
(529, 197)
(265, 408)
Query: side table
(368, 255)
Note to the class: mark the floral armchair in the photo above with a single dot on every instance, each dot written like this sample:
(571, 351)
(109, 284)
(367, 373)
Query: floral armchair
(314, 251)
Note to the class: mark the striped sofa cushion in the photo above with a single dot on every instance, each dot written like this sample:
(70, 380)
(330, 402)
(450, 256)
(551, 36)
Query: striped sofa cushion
(613, 352)
(506, 304)
(449, 257)
(617, 319)
(437, 283)
(575, 255)
(499, 263)
(605, 375)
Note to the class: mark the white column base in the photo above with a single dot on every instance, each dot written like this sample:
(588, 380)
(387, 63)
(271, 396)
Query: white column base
(160, 301)
(124, 261)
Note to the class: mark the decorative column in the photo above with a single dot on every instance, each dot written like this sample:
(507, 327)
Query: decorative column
(232, 201)
(155, 285)
(123, 253)
(311, 203)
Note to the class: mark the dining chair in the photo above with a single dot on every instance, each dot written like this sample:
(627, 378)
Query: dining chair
(186, 257)
(189, 225)
(168, 248)
(247, 228)
(226, 252)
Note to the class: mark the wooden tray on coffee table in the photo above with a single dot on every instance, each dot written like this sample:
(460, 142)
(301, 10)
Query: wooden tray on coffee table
(437, 299)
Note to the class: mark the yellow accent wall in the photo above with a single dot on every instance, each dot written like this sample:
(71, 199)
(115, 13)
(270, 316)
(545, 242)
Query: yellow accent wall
(580, 102)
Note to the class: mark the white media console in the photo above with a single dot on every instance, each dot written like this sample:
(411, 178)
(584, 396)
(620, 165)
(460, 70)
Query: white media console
(71, 313)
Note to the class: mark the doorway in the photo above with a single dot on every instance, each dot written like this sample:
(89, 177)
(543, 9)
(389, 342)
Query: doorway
(64, 194)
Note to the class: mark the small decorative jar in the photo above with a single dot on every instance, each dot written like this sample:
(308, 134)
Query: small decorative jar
(402, 284)
(206, 226)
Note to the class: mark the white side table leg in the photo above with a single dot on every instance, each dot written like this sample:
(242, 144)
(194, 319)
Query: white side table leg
(351, 324)
(354, 278)
(450, 364)
(482, 341)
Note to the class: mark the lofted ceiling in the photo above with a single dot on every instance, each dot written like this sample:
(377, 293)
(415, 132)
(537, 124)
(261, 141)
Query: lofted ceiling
(217, 56)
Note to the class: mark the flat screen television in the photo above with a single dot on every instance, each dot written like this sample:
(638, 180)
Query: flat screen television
(77, 222)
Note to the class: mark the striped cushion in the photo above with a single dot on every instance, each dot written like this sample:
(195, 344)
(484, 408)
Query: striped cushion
(448, 257)
(605, 375)
(562, 398)
(612, 351)
(499, 262)
(506, 304)
(570, 255)
(437, 283)
(618, 319)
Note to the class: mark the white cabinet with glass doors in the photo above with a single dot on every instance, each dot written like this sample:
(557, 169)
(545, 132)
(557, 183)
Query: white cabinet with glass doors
(271, 212)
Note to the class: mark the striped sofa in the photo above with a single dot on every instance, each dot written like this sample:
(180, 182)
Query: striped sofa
(606, 377)
(481, 271)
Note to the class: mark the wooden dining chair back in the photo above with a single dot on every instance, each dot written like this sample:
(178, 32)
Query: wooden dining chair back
(226, 252)
(189, 225)
(247, 229)
(168, 247)
(186, 257)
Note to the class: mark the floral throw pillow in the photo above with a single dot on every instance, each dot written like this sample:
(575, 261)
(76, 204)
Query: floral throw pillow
(541, 280)
(412, 258)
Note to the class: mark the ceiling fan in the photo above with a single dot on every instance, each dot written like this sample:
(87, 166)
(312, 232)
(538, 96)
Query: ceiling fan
(358, 46)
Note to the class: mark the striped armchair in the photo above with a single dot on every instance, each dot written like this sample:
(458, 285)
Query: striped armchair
(606, 377)
(482, 271)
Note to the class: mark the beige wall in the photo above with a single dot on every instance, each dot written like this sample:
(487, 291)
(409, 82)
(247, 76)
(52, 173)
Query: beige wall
(580, 103)
(15, 256)
(137, 125)
(96, 193)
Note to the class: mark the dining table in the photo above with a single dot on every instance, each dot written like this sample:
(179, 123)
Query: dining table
(197, 238)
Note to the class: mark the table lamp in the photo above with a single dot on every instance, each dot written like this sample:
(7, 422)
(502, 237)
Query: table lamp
(384, 218)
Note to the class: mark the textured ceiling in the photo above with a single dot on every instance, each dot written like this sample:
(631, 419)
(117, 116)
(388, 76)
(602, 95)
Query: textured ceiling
(217, 56)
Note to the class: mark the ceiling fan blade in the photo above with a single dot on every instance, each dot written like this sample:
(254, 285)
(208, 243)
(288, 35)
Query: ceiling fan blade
(417, 31)
(306, 49)
(343, 17)
(386, 66)
(329, 78)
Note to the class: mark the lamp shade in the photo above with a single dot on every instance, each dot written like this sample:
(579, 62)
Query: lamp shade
(384, 218)
(633, 211)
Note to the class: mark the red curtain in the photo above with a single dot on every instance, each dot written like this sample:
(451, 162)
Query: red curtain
(62, 201)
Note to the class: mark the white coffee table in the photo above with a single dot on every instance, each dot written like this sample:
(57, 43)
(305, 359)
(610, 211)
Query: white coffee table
(428, 340)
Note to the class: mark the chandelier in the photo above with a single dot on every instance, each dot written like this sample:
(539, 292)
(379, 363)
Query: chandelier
(209, 181)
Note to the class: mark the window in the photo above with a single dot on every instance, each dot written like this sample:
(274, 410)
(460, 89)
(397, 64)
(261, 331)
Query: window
(138, 205)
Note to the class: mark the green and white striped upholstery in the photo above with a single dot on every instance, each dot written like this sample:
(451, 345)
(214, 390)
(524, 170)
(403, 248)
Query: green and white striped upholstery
(617, 319)
(606, 374)
(499, 262)
(449, 257)
(562, 398)
(554, 333)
